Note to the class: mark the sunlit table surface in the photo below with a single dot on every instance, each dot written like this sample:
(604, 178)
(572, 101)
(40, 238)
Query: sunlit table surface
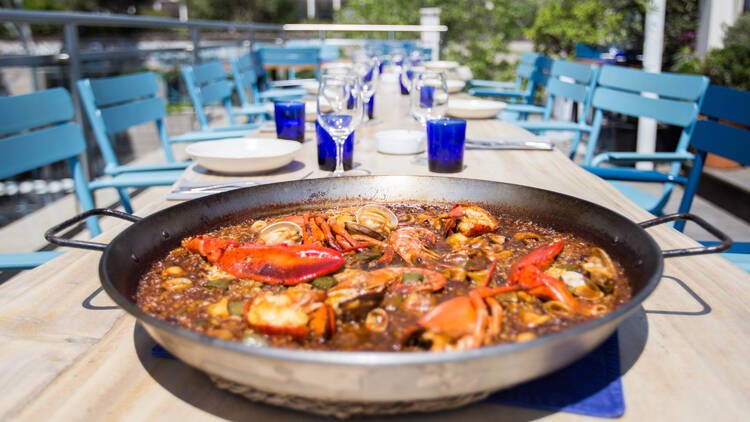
(67, 353)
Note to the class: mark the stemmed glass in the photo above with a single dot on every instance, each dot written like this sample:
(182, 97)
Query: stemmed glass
(367, 70)
(339, 111)
(428, 97)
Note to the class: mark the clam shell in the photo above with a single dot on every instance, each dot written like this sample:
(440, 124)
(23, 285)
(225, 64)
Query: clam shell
(281, 232)
(377, 217)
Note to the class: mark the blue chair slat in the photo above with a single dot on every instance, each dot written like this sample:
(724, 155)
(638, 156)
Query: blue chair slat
(118, 89)
(33, 149)
(677, 101)
(570, 91)
(674, 112)
(138, 179)
(46, 136)
(531, 68)
(723, 140)
(216, 91)
(719, 138)
(25, 261)
(209, 71)
(290, 55)
(38, 109)
(726, 103)
(123, 116)
(673, 85)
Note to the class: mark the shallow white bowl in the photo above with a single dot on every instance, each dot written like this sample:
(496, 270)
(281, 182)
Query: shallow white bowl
(474, 109)
(311, 87)
(243, 155)
(455, 85)
(401, 142)
(441, 65)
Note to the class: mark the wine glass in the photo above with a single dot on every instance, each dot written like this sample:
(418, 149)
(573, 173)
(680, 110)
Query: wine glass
(367, 70)
(339, 111)
(428, 97)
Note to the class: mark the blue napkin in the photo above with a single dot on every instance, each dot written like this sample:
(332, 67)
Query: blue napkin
(590, 386)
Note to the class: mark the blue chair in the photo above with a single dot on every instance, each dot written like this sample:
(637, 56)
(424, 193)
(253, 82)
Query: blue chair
(533, 72)
(717, 137)
(36, 130)
(570, 81)
(291, 58)
(243, 72)
(328, 52)
(39, 131)
(619, 91)
(207, 83)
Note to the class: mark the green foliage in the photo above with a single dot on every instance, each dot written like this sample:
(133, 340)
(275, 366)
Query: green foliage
(478, 30)
(559, 25)
(730, 66)
(265, 11)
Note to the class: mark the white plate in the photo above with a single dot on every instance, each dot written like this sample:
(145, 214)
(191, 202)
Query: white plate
(243, 155)
(441, 65)
(454, 85)
(474, 109)
(401, 141)
(311, 87)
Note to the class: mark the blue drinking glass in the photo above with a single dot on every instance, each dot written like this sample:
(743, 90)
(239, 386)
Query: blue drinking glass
(445, 145)
(371, 107)
(409, 76)
(290, 120)
(327, 150)
(426, 95)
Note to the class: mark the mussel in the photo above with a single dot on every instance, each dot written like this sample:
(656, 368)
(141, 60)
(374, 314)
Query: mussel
(601, 269)
(377, 218)
(281, 232)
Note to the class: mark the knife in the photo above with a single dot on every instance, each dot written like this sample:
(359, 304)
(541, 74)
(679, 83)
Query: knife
(534, 143)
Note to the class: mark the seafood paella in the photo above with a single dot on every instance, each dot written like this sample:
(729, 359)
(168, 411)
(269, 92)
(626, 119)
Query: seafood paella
(383, 277)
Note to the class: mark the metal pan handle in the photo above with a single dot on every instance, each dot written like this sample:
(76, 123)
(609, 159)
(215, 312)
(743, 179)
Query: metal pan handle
(725, 244)
(82, 244)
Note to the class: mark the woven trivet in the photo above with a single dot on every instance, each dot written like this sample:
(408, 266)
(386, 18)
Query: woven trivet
(346, 409)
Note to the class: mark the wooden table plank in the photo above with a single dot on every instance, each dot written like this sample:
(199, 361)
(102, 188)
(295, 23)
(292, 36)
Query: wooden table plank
(683, 354)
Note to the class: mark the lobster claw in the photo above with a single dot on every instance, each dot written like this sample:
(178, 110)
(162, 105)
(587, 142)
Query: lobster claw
(272, 264)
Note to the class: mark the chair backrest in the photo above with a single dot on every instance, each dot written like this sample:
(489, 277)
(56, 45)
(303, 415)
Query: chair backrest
(243, 72)
(725, 132)
(291, 56)
(665, 97)
(207, 83)
(117, 103)
(35, 130)
(533, 69)
(571, 81)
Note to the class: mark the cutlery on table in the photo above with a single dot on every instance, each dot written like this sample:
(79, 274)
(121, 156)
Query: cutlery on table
(511, 142)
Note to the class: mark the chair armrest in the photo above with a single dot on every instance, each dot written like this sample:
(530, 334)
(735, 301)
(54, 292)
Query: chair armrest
(234, 128)
(525, 108)
(635, 175)
(553, 125)
(490, 92)
(290, 82)
(633, 157)
(147, 167)
(491, 84)
(206, 136)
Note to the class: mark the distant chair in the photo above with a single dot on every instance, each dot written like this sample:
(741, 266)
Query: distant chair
(722, 134)
(245, 78)
(291, 58)
(568, 81)
(532, 73)
(207, 83)
(116, 103)
(675, 101)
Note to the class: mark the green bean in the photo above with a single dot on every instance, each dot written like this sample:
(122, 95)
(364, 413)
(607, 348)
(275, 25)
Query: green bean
(411, 278)
(219, 283)
(235, 308)
(324, 282)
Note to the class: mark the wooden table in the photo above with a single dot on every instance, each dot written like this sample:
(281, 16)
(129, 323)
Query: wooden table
(68, 354)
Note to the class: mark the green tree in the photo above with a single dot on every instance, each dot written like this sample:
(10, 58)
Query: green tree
(560, 24)
(265, 11)
(478, 30)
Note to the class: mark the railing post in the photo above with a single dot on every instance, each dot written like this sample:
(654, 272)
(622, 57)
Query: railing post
(391, 36)
(322, 35)
(430, 16)
(70, 32)
(251, 38)
(195, 37)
